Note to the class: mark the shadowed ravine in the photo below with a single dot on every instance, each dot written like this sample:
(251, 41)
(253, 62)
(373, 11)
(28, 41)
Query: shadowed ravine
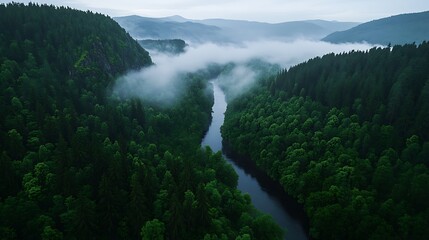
(267, 195)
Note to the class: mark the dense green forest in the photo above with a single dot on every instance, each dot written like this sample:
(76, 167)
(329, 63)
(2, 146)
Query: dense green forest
(348, 136)
(77, 162)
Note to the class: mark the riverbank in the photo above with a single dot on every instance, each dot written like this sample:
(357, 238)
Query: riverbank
(272, 187)
(267, 196)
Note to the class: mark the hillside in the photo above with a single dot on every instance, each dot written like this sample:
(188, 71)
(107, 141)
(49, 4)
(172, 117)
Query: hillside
(78, 161)
(153, 28)
(240, 30)
(400, 29)
(223, 30)
(169, 46)
(346, 135)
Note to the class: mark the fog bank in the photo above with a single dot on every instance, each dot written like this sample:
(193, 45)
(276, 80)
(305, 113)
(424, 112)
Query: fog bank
(161, 82)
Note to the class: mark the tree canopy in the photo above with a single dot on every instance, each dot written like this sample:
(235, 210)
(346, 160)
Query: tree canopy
(77, 162)
(346, 135)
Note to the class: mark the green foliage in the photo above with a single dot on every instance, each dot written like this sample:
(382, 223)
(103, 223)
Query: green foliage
(79, 163)
(342, 134)
(153, 230)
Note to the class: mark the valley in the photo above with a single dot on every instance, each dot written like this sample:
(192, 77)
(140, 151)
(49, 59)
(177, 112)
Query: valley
(132, 127)
(267, 195)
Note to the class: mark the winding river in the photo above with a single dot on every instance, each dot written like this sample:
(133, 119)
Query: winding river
(267, 195)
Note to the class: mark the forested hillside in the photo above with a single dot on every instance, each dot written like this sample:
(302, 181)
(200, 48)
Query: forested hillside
(79, 163)
(169, 46)
(399, 29)
(348, 136)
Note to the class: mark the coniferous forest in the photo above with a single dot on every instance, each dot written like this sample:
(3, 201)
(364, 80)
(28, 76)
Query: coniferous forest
(78, 162)
(348, 136)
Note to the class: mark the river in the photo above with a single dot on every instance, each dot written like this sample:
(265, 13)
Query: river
(267, 195)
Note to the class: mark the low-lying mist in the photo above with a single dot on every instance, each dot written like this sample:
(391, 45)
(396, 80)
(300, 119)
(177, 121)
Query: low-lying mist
(244, 64)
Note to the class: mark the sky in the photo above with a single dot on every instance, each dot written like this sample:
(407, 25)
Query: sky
(255, 10)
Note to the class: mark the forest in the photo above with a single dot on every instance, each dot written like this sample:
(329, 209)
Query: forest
(79, 162)
(348, 136)
(169, 46)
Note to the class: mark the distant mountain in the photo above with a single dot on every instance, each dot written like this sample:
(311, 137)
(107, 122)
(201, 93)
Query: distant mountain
(399, 29)
(333, 25)
(223, 30)
(166, 28)
(249, 30)
(175, 18)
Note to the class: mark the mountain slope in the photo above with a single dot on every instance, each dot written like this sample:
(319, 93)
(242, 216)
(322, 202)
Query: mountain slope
(237, 30)
(80, 161)
(400, 29)
(152, 28)
(333, 26)
(348, 136)
(223, 30)
(251, 30)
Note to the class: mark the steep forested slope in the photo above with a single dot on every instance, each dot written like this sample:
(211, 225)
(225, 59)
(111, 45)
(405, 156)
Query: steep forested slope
(79, 163)
(347, 135)
(169, 46)
(399, 29)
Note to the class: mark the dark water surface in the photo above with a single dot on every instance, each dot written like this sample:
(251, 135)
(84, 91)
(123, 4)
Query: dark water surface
(267, 195)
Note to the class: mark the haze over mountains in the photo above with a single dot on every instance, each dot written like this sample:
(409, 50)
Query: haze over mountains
(399, 29)
(227, 31)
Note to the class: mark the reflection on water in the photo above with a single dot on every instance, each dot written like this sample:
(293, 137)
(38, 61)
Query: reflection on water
(267, 195)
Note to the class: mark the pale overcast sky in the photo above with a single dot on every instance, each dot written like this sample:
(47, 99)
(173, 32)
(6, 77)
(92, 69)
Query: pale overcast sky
(265, 11)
